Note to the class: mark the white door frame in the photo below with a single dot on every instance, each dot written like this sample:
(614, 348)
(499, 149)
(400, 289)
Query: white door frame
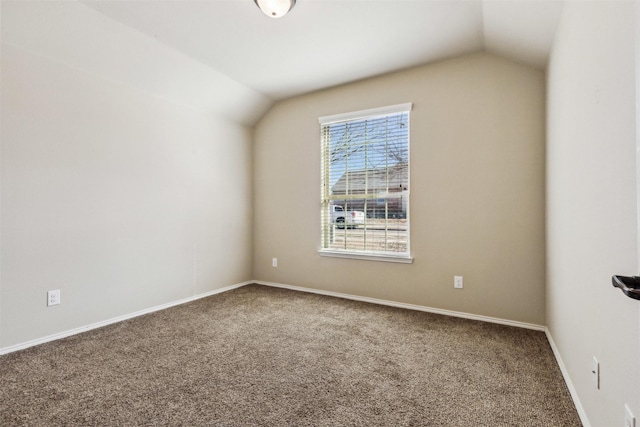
(637, 112)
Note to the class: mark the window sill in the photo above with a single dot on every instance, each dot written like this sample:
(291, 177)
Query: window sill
(404, 259)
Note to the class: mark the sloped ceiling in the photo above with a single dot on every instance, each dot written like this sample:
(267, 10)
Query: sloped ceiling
(325, 43)
(234, 50)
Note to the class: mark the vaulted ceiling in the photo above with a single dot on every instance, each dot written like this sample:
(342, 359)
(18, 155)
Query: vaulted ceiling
(323, 43)
(226, 58)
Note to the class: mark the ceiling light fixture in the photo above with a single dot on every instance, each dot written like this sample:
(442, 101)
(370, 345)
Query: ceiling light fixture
(275, 8)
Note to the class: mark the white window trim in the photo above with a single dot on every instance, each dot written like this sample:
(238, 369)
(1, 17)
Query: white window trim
(372, 112)
(370, 256)
(403, 259)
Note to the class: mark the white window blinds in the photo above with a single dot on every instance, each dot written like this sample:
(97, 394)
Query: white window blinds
(365, 182)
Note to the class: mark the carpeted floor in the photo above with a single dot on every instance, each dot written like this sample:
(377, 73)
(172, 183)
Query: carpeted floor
(274, 357)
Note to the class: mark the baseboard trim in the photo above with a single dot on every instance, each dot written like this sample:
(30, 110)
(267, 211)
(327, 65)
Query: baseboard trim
(407, 306)
(567, 379)
(100, 324)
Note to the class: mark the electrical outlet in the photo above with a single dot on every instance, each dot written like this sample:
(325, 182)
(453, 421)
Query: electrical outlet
(629, 419)
(457, 282)
(274, 262)
(595, 372)
(53, 298)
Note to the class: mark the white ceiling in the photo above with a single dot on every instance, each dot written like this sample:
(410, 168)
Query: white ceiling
(323, 43)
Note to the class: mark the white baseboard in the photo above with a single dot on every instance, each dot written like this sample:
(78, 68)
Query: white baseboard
(567, 379)
(408, 306)
(100, 324)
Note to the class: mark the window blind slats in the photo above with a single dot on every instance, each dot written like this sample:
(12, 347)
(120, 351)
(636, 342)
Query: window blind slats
(365, 169)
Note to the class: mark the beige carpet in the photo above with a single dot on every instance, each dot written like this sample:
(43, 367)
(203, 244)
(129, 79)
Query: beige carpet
(273, 357)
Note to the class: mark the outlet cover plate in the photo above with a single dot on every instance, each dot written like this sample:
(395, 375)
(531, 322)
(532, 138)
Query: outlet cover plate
(53, 298)
(458, 282)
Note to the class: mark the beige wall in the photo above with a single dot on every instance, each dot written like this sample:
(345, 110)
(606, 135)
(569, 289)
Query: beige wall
(121, 200)
(477, 190)
(591, 205)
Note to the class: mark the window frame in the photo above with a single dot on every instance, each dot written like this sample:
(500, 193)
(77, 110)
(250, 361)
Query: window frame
(370, 255)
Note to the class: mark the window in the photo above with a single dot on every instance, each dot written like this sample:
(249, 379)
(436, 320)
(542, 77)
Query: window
(365, 184)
